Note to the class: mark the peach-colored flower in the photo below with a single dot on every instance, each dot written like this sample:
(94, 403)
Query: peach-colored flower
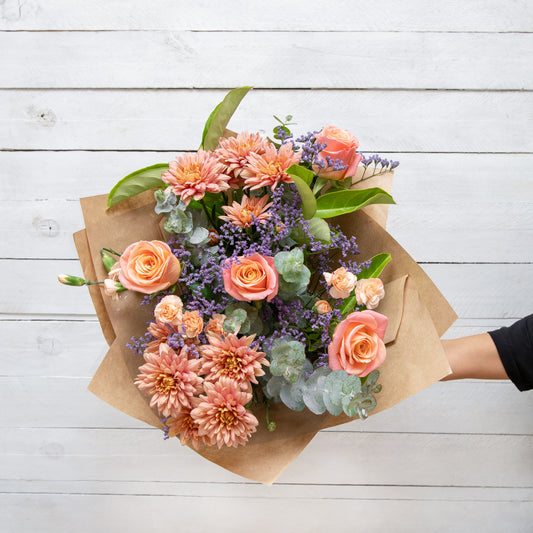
(194, 174)
(369, 292)
(233, 153)
(160, 332)
(182, 424)
(341, 146)
(193, 323)
(111, 288)
(268, 170)
(242, 214)
(251, 278)
(170, 378)
(232, 357)
(114, 272)
(148, 267)
(222, 416)
(341, 282)
(322, 307)
(357, 344)
(215, 326)
(169, 310)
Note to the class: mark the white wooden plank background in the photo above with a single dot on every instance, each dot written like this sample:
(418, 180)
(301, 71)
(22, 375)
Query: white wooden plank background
(92, 91)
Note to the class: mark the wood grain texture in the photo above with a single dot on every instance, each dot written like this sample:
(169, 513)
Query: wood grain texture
(346, 60)
(276, 15)
(474, 290)
(396, 121)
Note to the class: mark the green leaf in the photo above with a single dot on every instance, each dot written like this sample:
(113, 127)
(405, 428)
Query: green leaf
(320, 182)
(219, 118)
(337, 203)
(136, 183)
(306, 194)
(302, 172)
(319, 228)
(347, 305)
(379, 262)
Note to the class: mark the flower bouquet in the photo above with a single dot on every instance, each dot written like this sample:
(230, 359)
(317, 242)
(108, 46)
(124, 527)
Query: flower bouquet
(255, 298)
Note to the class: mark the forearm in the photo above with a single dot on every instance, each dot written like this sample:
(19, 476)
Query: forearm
(474, 357)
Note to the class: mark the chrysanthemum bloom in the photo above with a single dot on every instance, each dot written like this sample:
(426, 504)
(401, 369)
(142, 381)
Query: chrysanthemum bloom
(222, 416)
(194, 174)
(161, 333)
(268, 170)
(183, 425)
(232, 357)
(242, 214)
(170, 378)
(233, 153)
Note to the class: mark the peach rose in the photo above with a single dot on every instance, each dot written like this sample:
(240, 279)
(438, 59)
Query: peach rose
(193, 323)
(322, 307)
(341, 282)
(357, 344)
(369, 292)
(148, 267)
(251, 278)
(169, 310)
(342, 146)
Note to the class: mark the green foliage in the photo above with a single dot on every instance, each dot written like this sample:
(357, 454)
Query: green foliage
(287, 358)
(304, 174)
(378, 263)
(337, 203)
(319, 228)
(136, 183)
(291, 266)
(219, 118)
(309, 202)
(244, 318)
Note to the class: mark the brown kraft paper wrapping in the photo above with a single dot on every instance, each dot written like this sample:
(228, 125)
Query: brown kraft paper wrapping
(418, 315)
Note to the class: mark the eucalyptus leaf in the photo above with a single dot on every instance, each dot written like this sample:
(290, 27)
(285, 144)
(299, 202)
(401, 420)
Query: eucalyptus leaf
(337, 203)
(199, 236)
(292, 394)
(137, 182)
(309, 202)
(219, 118)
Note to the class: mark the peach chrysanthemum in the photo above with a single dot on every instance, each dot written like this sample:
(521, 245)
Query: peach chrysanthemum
(184, 426)
(160, 332)
(194, 174)
(222, 416)
(268, 170)
(232, 357)
(170, 378)
(242, 214)
(233, 153)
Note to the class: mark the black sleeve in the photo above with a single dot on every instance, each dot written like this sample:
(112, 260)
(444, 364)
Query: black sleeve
(515, 346)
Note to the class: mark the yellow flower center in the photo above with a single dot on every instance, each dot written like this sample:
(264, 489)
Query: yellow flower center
(165, 383)
(191, 174)
(226, 417)
(232, 363)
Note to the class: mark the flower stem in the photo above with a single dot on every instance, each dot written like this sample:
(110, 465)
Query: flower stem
(208, 214)
(111, 251)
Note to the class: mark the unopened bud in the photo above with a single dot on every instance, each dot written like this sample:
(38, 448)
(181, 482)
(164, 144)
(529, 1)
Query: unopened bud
(271, 426)
(108, 261)
(66, 279)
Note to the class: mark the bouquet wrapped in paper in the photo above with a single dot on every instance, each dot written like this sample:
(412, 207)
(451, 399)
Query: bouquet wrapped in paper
(255, 297)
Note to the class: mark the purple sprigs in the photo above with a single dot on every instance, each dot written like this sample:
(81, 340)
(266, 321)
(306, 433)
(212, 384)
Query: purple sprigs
(138, 344)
